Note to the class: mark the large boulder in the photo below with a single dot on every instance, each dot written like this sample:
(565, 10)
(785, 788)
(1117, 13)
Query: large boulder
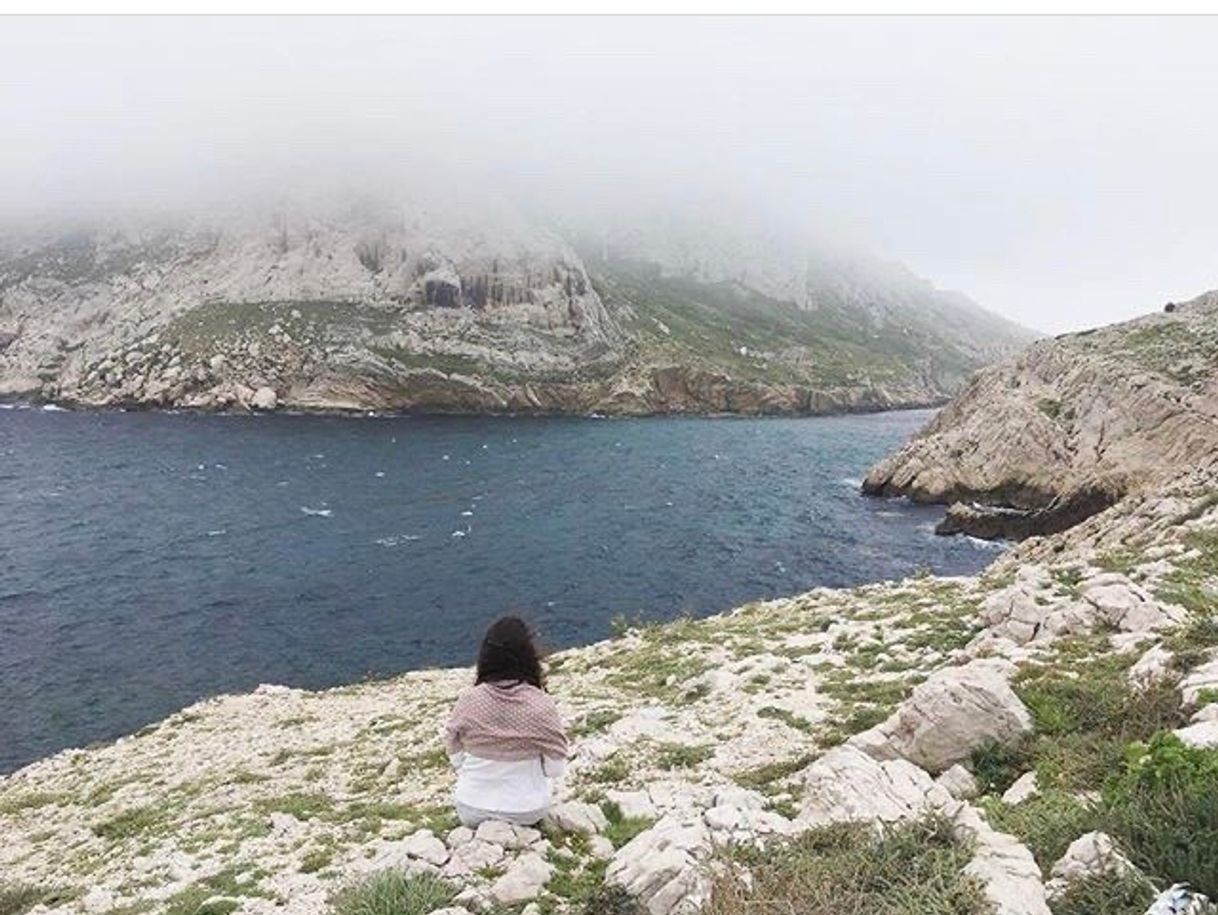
(847, 785)
(663, 868)
(953, 713)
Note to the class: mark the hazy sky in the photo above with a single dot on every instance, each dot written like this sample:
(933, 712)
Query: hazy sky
(1058, 170)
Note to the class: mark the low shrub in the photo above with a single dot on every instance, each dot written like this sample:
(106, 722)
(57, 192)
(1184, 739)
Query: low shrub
(1046, 823)
(1105, 894)
(1163, 812)
(913, 868)
(19, 898)
(392, 893)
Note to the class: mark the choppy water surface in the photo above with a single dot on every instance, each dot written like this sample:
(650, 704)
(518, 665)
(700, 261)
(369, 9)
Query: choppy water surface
(149, 560)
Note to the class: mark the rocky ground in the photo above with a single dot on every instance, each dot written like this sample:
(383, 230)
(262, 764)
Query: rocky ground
(421, 306)
(1026, 706)
(1068, 426)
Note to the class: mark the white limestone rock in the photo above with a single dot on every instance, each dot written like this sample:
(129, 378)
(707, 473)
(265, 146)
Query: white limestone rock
(959, 782)
(1088, 856)
(848, 785)
(523, 880)
(1152, 667)
(663, 867)
(1023, 789)
(1203, 677)
(1008, 873)
(1128, 606)
(1203, 734)
(955, 711)
(633, 804)
(264, 399)
(472, 857)
(425, 846)
(576, 816)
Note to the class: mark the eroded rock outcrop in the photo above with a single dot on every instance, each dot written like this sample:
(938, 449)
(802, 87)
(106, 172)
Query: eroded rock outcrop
(1069, 426)
(956, 711)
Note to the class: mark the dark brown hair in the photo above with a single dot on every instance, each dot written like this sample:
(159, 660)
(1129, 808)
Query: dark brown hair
(509, 654)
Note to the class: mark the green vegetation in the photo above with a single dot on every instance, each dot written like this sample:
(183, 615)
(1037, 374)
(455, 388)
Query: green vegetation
(1163, 811)
(130, 823)
(219, 894)
(594, 722)
(734, 330)
(1086, 713)
(19, 803)
(1105, 894)
(302, 806)
(19, 898)
(681, 756)
(763, 777)
(622, 828)
(1193, 582)
(912, 869)
(787, 717)
(392, 893)
(1046, 823)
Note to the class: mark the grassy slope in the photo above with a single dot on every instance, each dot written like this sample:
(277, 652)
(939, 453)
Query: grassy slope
(706, 324)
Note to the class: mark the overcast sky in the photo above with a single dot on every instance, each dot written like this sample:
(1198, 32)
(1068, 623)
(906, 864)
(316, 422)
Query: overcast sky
(1060, 171)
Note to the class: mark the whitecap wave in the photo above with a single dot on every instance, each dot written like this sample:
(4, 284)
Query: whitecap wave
(53, 408)
(852, 482)
(460, 533)
(397, 540)
(318, 512)
(989, 545)
(219, 533)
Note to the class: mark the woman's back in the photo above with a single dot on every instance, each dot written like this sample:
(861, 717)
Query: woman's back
(505, 736)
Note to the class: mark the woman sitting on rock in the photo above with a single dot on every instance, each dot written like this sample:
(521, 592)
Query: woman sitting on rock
(504, 737)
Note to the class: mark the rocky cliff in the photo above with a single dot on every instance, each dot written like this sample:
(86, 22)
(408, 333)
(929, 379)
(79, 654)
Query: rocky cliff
(427, 308)
(1069, 426)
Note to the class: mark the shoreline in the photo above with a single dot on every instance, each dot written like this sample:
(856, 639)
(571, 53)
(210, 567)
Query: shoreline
(18, 403)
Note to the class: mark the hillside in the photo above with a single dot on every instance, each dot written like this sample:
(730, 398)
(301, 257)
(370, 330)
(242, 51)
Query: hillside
(1069, 426)
(419, 308)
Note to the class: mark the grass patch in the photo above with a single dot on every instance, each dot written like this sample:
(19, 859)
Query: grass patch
(1105, 894)
(130, 823)
(764, 776)
(1046, 823)
(19, 898)
(910, 869)
(19, 803)
(392, 893)
(191, 901)
(1086, 713)
(1163, 812)
(300, 805)
(680, 756)
(622, 828)
(787, 717)
(594, 722)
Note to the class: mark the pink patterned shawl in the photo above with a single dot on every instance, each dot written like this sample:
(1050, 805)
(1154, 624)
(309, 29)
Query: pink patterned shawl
(506, 722)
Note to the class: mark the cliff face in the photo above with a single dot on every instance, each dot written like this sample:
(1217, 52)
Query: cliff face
(1069, 426)
(415, 308)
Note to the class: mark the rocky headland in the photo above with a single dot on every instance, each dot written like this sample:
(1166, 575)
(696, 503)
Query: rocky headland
(425, 306)
(1069, 426)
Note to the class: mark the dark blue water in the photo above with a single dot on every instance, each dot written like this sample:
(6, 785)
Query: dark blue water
(148, 560)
